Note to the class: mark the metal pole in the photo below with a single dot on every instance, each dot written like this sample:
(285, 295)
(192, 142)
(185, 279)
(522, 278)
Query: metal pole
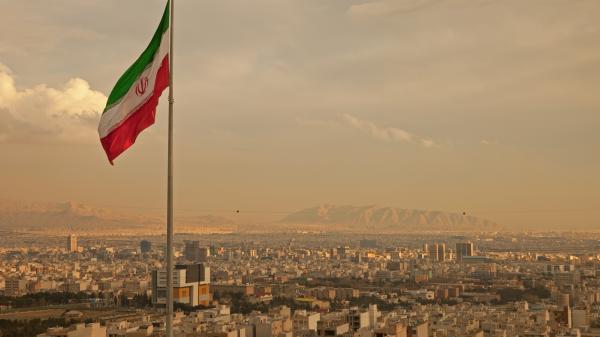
(170, 184)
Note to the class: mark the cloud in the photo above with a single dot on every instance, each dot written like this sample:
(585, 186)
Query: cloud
(43, 114)
(387, 134)
(428, 142)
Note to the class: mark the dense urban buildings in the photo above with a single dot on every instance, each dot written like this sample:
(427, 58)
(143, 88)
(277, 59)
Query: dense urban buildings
(266, 285)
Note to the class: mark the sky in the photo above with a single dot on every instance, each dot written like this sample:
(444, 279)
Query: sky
(490, 107)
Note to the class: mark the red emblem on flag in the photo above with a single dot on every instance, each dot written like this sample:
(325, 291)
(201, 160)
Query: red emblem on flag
(141, 86)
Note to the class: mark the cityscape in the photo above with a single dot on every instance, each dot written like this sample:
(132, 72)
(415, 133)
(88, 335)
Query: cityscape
(299, 168)
(304, 284)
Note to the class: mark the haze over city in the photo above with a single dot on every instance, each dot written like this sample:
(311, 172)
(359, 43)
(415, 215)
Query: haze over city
(313, 168)
(484, 107)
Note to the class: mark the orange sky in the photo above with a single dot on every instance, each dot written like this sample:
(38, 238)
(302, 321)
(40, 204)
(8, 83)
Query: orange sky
(479, 105)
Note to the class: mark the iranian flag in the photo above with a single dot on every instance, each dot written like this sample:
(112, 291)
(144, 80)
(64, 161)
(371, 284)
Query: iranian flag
(131, 105)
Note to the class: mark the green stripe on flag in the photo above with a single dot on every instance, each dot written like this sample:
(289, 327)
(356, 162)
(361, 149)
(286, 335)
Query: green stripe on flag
(135, 70)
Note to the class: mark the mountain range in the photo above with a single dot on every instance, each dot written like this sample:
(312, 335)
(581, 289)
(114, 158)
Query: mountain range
(76, 217)
(387, 219)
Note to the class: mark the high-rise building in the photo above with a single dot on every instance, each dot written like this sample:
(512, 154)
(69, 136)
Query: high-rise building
(204, 254)
(72, 243)
(464, 249)
(194, 253)
(567, 318)
(190, 285)
(14, 286)
(145, 246)
(438, 252)
(433, 252)
(191, 250)
(442, 252)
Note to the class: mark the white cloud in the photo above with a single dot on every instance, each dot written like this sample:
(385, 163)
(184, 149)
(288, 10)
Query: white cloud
(388, 134)
(428, 142)
(41, 113)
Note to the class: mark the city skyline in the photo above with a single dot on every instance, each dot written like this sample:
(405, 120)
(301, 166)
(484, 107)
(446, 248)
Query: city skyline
(303, 285)
(312, 168)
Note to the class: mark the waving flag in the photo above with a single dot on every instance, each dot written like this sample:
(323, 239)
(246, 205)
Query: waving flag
(131, 106)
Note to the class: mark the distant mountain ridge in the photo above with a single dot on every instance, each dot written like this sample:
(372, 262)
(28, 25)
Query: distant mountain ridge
(49, 217)
(387, 219)
(72, 216)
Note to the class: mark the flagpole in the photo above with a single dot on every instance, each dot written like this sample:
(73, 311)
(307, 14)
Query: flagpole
(169, 326)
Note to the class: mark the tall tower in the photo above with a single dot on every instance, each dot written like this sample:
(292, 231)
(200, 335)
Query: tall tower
(433, 253)
(72, 243)
(191, 251)
(438, 252)
(463, 249)
(442, 252)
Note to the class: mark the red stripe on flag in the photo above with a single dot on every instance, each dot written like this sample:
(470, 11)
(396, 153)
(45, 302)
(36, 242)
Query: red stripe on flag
(122, 137)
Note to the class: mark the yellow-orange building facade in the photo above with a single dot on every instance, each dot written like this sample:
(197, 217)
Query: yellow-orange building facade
(191, 285)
